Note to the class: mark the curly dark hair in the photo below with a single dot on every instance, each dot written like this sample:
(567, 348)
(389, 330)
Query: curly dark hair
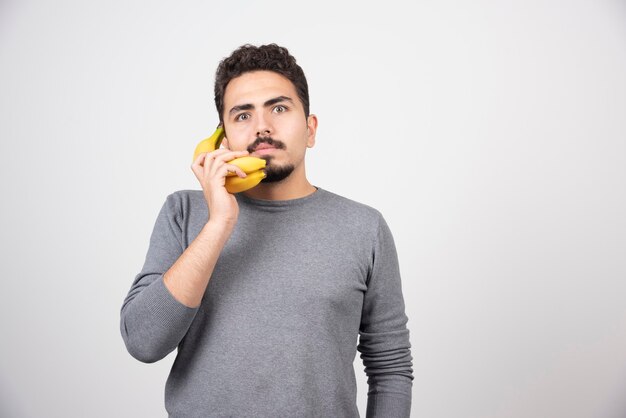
(269, 57)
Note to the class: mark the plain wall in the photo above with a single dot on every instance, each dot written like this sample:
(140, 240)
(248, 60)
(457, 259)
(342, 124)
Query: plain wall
(491, 135)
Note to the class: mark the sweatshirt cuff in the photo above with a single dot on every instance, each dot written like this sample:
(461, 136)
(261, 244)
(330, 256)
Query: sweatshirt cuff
(385, 405)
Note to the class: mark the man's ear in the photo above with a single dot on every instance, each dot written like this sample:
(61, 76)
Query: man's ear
(311, 124)
(225, 139)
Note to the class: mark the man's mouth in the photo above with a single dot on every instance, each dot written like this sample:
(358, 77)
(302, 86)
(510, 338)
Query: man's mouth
(265, 146)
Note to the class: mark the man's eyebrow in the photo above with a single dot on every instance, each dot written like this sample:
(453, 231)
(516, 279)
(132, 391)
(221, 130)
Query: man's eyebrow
(249, 106)
(277, 100)
(240, 107)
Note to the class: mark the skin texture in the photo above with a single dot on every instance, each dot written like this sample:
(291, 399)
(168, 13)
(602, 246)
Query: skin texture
(282, 120)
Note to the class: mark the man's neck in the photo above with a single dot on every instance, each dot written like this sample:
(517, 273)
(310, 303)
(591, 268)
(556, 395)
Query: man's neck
(293, 187)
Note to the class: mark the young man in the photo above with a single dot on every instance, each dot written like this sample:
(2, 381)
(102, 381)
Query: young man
(265, 292)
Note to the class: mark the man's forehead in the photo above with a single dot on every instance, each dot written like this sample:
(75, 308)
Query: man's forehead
(257, 87)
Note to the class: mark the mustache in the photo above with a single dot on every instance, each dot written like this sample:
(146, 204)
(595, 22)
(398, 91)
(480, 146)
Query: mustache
(265, 140)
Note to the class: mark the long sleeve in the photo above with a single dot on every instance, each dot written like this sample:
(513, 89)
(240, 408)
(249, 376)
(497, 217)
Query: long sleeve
(152, 321)
(384, 338)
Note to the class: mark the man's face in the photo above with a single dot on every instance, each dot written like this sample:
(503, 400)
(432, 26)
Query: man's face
(263, 114)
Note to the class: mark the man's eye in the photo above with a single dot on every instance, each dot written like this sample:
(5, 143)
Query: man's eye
(243, 116)
(280, 109)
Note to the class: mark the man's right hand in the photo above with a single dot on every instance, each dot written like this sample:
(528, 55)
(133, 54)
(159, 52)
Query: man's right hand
(211, 169)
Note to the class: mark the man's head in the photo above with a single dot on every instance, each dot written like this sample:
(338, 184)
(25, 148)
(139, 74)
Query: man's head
(249, 58)
(262, 97)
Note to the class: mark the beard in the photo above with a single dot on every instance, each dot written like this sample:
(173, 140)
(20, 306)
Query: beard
(274, 173)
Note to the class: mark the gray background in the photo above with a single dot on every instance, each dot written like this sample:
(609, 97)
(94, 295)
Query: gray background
(492, 136)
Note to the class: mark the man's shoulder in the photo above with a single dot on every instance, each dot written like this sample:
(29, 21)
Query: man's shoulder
(333, 203)
(186, 194)
(351, 207)
(185, 199)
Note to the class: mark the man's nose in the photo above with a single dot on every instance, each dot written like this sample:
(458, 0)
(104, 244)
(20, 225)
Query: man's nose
(263, 127)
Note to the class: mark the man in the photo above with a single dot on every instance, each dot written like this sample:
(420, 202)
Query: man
(264, 292)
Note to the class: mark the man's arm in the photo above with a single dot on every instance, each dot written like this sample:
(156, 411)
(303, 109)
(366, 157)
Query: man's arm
(188, 278)
(384, 338)
(165, 296)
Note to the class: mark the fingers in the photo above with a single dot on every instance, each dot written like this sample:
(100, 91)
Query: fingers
(214, 163)
(231, 168)
(197, 166)
(222, 158)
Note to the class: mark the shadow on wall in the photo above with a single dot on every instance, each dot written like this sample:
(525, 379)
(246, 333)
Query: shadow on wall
(616, 408)
(8, 408)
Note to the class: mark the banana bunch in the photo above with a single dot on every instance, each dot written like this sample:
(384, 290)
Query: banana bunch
(252, 166)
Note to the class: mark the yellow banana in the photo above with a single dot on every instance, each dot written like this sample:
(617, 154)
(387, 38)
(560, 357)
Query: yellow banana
(247, 164)
(210, 144)
(236, 184)
(252, 166)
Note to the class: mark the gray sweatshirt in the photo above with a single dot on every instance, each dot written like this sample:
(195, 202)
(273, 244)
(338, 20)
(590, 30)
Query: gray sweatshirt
(276, 332)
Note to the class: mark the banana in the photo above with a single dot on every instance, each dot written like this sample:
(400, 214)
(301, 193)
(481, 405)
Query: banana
(236, 184)
(210, 144)
(247, 164)
(252, 166)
